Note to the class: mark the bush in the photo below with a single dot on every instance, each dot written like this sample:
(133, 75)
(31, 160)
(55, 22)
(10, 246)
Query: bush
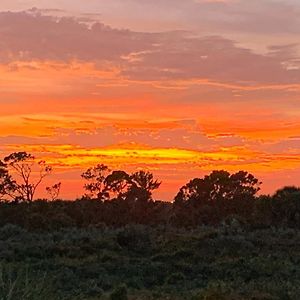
(18, 284)
(134, 238)
(9, 231)
(119, 293)
(175, 278)
(216, 291)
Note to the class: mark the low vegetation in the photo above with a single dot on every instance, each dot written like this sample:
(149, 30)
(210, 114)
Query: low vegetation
(142, 262)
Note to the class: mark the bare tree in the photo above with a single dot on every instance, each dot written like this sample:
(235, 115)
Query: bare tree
(54, 191)
(24, 175)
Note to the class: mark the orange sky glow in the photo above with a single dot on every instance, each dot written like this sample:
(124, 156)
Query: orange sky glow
(189, 87)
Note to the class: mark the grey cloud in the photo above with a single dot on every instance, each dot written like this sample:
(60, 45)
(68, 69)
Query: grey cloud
(28, 36)
(213, 58)
(259, 16)
(176, 55)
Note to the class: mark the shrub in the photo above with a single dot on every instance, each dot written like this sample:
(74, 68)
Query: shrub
(20, 285)
(119, 293)
(216, 291)
(134, 238)
(10, 230)
(175, 278)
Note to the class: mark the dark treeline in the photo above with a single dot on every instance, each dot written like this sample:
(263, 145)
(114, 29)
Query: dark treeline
(116, 198)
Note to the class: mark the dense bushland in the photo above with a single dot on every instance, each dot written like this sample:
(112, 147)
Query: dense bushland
(143, 262)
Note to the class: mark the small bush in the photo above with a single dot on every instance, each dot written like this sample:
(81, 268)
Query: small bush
(9, 231)
(18, 284)
(119, 293)
(216, 291)
(175, 278)
(134, 238)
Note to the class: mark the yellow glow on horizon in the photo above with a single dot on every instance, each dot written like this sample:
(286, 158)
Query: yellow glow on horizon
(231, 158)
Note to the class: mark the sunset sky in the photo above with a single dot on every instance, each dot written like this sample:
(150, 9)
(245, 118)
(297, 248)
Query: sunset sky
(176, 87)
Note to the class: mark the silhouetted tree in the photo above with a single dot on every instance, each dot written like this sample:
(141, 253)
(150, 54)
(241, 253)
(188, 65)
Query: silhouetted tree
(217, 195)
(286, 206)
(105, 185)
(6, 183)
(96, 186)
(219, 186)
(139, 196)
(286, 192)
(54, 191)
(118, 183)
(263, 212)
(23, 175)
(143, 183)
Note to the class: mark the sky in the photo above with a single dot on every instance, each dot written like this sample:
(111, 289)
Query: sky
(179, 88)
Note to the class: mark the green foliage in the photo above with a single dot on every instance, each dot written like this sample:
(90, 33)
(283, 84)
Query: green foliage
(119, 293)
(10, 231)
(134, 238)
(19, 284)
(175, 278)
(152, 262)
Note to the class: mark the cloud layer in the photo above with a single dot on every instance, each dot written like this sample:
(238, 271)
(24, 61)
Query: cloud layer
(178, 55)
